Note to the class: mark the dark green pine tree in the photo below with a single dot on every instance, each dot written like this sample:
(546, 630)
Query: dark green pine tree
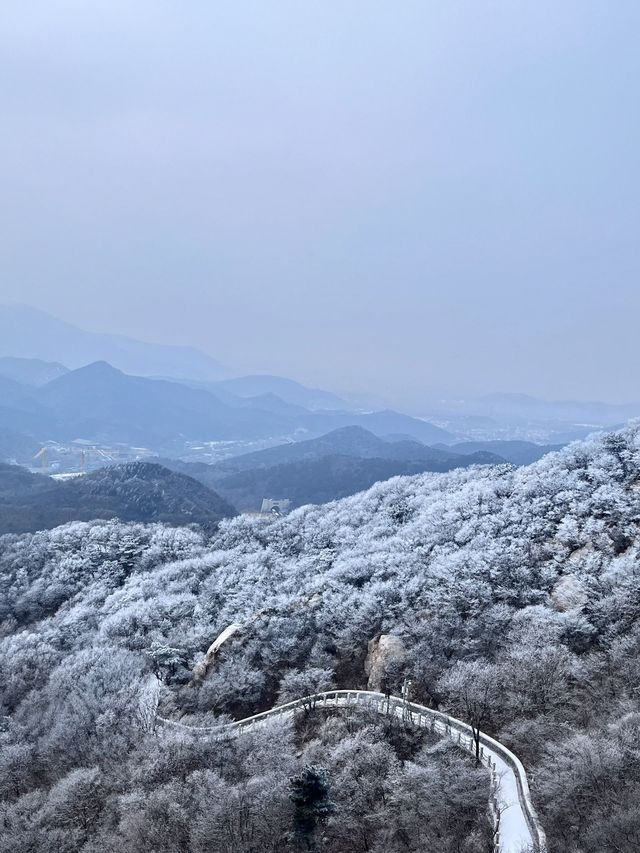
(312, 805)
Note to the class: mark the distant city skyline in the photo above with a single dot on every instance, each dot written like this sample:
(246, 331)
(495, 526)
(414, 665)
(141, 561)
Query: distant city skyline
(404, 201)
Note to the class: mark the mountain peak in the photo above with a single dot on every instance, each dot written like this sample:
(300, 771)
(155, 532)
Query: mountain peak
(96, 371)
(101, 367)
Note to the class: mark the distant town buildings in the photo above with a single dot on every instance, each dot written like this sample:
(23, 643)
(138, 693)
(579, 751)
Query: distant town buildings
(82, 455)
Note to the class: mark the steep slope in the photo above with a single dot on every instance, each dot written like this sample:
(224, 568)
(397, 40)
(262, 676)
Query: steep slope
(139, 491)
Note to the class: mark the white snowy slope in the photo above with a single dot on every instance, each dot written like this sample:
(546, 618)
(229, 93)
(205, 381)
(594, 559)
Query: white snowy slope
(515, 821)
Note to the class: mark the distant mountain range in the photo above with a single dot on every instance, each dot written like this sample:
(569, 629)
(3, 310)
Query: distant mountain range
(29, 333)
(335, 465)
(136, 492)
(284, 389)
(102, 404)
(37, 349)
(515, 452)
(519, 416)
(589, 413)
(69, 389)
(347, 441)
(324, 449)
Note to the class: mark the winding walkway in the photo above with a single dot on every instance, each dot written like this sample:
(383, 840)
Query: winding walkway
(517, 828)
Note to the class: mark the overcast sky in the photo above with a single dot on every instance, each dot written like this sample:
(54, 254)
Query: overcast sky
(401, 197)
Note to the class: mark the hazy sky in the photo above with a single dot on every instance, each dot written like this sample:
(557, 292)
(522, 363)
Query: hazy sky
(394, 196)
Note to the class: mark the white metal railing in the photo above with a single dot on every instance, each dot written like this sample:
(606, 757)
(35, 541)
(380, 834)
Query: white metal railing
(493, 754)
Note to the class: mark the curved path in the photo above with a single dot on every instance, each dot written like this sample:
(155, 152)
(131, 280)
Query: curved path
(517, 828)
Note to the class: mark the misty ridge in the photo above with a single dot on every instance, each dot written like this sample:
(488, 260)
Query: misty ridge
(247, 439)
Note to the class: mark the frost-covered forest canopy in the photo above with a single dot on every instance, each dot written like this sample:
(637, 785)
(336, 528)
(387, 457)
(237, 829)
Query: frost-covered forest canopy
(525, 579)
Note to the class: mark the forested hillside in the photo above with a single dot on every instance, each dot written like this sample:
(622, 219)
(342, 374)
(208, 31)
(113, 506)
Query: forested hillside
(515, 589)
(138, 491)
(326, 479)
(319, 470)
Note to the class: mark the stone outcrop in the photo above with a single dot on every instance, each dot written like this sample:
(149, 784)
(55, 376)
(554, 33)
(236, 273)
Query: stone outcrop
(385, 654)
(568, 594)
(203, 666)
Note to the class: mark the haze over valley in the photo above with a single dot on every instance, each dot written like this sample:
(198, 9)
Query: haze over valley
(249, 438)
